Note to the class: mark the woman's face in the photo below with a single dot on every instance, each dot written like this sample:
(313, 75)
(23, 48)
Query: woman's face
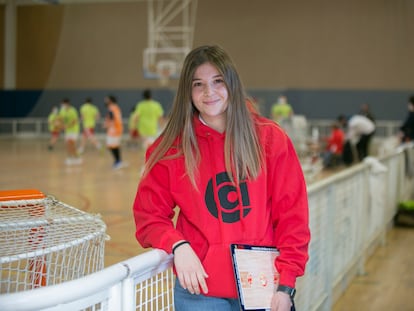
(210, 96)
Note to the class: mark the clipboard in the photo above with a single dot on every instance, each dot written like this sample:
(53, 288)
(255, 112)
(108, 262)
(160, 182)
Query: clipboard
(256, 275)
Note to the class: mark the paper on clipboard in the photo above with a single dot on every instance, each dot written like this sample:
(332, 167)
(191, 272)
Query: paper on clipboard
(256, 275)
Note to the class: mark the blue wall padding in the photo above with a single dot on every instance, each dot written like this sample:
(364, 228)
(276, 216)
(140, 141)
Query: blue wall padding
(17, 104)
(314, 104)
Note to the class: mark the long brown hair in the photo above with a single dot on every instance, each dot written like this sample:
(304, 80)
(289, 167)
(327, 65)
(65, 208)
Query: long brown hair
(242, 151)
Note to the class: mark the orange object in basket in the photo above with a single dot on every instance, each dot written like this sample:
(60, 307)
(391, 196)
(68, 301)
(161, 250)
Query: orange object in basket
(21, 194)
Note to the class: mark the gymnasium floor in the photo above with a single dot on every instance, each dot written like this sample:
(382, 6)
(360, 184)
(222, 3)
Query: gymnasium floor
(93, 186)
(388, 284)
(96, 188)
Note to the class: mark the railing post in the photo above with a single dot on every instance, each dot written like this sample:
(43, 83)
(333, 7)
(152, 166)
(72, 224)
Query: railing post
(331, 194)
(389, 130)
(365, 220)
(14, 128)
(38, 127)
(115, 298)
(128, 294)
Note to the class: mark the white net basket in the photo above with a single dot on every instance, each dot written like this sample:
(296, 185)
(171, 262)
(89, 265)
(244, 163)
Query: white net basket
(45, 242)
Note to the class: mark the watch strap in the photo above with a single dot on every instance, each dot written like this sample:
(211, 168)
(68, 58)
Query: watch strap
(288, 290)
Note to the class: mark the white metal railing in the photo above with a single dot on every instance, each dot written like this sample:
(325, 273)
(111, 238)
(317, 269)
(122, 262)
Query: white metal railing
(35, 127)
(118, 287)
(38, 127)
(383, 128)
(350, 213)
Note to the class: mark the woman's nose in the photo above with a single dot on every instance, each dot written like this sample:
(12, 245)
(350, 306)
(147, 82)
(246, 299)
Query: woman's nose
(207, 89)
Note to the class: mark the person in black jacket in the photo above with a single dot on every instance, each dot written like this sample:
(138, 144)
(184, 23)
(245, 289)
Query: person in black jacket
(407, 129)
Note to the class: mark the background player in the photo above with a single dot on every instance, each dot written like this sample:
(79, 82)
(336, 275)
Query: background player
(134, 136)
(54, 125)
(114, 130)
(148, 114)
(89, 114)
(70, 120)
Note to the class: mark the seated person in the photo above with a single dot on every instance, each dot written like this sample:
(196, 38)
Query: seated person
(334, 148)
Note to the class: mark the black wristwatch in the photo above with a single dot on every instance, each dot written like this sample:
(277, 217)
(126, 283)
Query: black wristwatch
(288, 290)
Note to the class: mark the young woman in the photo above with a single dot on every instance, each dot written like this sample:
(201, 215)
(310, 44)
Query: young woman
(235, 178)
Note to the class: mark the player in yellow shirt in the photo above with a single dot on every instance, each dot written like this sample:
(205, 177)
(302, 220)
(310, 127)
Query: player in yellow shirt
(89, 114)
(148, 115)
(70, 121)
(282, 114)
(281, 111)
(134, 138)
(55, 126)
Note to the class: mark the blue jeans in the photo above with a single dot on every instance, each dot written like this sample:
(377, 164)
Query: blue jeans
(185, 301)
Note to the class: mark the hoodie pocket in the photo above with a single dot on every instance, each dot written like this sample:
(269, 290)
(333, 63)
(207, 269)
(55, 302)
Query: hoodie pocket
(218, 265)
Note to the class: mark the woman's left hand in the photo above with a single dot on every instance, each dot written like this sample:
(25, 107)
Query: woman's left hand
(281, 302)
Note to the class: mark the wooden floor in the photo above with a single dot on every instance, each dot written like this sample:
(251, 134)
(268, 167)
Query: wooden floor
(388, 284)
(96, 188)
(92, 186)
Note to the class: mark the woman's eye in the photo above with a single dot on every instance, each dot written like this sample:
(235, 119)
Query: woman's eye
(197, 84)
(218, 81)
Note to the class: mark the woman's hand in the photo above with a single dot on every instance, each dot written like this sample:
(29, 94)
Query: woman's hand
(281, 302)
(190, 271)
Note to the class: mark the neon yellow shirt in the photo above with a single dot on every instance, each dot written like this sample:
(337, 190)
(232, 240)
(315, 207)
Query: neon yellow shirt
(89, 115)
(148, 112)
(53, 122)
(132, 121)
(281, 111)
(70, 119)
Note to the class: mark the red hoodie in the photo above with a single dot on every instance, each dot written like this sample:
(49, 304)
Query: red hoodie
(271, 210)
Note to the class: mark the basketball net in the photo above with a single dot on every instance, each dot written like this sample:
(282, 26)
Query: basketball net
(165, 70)
(164, 76)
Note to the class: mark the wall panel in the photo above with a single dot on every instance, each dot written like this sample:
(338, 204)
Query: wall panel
(100, 46)
(2, 46)
(39, 30)
(276, 44)
(314, 44)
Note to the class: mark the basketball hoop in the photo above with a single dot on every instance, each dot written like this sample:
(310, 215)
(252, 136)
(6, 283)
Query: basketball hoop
(164, 77)
(165, 70)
